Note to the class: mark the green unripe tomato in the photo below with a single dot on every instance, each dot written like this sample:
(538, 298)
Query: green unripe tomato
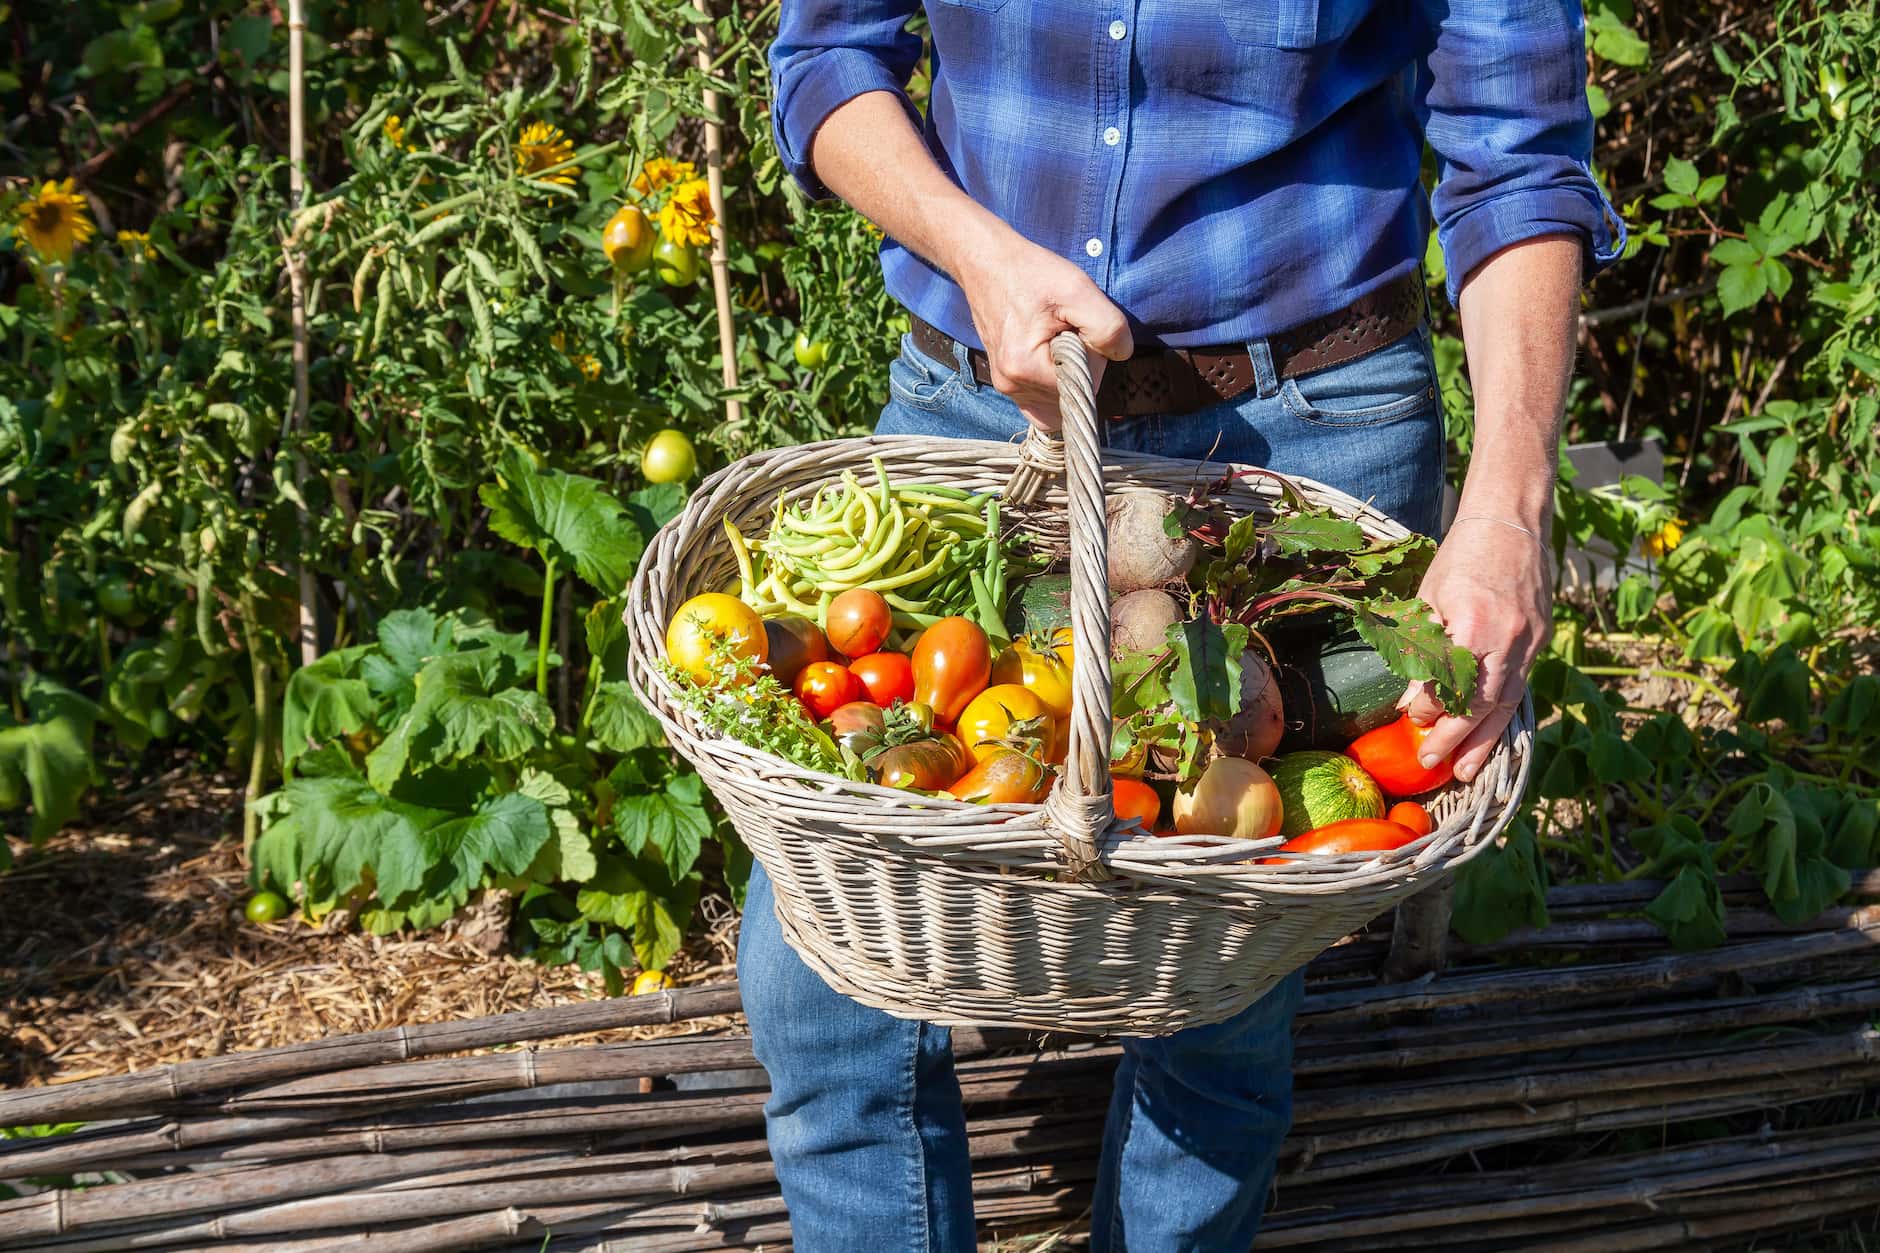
(265, 907)
(115, 598)
(677, 264)
(669, 457)
(1833, 84)
(812, 355)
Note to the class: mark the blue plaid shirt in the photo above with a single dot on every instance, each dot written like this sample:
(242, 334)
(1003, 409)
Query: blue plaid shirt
(1223, 169)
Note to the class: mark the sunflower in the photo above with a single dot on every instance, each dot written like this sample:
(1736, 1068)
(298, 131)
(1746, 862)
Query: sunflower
(55, 221)
(658, 172)
(687, 217)
(589, 367)
(1664, 539)
(541, 146)
(136, 245)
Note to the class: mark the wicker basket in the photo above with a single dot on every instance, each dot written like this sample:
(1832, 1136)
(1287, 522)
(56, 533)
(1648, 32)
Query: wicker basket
(1042, 916)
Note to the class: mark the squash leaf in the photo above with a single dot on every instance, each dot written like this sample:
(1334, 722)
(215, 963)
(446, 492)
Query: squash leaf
(568, 519)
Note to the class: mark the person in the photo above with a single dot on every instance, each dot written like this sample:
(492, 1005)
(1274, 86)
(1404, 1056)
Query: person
(1224, 202)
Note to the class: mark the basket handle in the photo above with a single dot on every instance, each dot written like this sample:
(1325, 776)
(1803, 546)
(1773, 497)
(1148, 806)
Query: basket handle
(1082, 807)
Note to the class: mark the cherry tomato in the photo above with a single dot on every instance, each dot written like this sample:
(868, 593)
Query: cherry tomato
(1389, 755)
(1005, 777)
(888, 677)
(628, 240)
(265, 907)
(858, 622)
(825, 687)
(952, 664)
(678, 264)
(115, 598)
(1006, 711)
(811, 354)
(1138, 801)
(648, 982)
(669, 457)
(1412, 815)
(927, 765)
(795, 642)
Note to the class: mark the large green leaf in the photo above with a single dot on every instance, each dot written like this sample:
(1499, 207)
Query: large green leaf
(408, 638)
(352, 828)
(569, 519)
(48, 760)
(502, 835)
(620, 722)
(1415, 647)
(673, 822)
(569, 857)
(465, 707)
(325, 701)
(1293, 534)
(1205, 681)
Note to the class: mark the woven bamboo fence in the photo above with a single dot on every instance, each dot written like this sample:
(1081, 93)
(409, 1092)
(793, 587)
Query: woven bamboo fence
(1531, 1049)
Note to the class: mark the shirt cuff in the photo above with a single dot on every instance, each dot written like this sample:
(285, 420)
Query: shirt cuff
(1488, 227)
(823, 84)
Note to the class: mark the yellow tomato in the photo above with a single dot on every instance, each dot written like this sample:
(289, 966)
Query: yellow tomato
(703, 622)
(1007, 710)
(628, 240)
(648, 981)
(1045, 673)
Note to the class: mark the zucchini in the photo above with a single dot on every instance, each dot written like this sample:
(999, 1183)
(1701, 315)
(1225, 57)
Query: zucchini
(1334, 687)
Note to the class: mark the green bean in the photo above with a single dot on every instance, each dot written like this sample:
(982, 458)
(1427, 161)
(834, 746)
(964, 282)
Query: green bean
(913, 576)
(746, 576)
(914, 621)
(897, 601)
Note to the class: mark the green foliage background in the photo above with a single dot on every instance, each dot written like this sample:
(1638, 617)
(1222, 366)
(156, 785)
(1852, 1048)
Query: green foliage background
(465, 488)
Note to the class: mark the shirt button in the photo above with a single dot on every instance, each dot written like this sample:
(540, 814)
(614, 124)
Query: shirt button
(1112, 137)
(1094, 247)
(1118, 30)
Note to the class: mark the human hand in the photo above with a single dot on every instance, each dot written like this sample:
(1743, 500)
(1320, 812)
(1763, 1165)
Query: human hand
(1491, 585)
(1022, 296)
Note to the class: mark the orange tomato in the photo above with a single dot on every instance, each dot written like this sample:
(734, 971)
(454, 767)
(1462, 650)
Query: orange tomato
(952, 664)
(1389, 755)
(1138, 801)
(1412, 815)
(858, 621)
(1005, 777)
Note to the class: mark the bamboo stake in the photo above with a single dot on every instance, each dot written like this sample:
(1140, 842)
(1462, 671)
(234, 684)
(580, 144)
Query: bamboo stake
(720, 257)
(297, 287)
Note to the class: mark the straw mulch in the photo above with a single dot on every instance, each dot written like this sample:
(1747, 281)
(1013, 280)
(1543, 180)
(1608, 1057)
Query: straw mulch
(123, 946)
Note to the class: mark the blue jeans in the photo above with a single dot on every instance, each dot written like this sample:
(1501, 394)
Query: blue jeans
(864, 1117)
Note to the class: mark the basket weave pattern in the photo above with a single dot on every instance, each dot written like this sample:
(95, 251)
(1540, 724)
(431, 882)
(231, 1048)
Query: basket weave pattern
(1039, 916)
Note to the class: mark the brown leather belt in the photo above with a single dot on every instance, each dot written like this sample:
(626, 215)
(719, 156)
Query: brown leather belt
(1173, 381)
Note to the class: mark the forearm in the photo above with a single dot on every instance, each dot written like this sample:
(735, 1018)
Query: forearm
(868, 153)
(1519, 318)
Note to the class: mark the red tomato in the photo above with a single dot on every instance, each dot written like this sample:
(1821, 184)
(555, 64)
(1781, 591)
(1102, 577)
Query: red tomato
(859, 621)
(1412, 815)
(825, 687)
(888, 677)
(1389, 755)
(1351, 835)
(952, 664)
(1005, 777)
(1136, 799)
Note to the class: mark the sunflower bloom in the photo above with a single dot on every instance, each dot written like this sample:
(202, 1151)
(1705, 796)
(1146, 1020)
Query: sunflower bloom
(55, 221)
(136, 245)
(658, 172)
(687, 217)
(541, 146)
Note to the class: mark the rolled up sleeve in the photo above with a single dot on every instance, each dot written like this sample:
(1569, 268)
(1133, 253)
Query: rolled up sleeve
(827, 52)
(1505, 111)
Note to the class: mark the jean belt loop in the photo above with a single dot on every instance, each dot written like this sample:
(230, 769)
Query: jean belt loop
(963, 362)
(1265, 374)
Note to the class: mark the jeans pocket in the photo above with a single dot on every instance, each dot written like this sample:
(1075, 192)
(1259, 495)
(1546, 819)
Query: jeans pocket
(1394, 382)
(1291, 23)
(919, 381)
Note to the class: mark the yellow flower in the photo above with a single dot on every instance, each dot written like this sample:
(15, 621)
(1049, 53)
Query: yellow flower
(1664, 539)
(395, 133)
(541, 146)
(589, 367)
(687, 217)
(658, 171)
(55, 221)
(136, 245)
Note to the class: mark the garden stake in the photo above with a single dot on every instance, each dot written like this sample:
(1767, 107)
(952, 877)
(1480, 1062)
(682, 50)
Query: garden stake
(297, 286)
(720, 258)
